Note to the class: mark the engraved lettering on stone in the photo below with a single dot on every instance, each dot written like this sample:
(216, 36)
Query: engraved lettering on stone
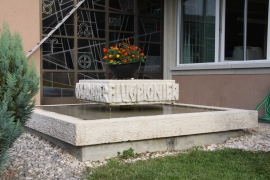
(169, 91)
(149, 92)
(92, 93)
(164, 93)
(118, 97)
(127, 93)
(101, 93)
(77, 92)
(139, 92)
(47, 7)
(87, 91)
(105, 93)
(158, 92)
(124, 94)
(175, 94)
(84, 61)
(114, 21)
(133, 92)
(112, 93)
(98, 93)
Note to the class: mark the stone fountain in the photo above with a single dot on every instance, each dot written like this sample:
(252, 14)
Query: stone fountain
(91, 131)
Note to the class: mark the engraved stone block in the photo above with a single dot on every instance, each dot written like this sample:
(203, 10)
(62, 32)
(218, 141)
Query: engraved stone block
(127, 92)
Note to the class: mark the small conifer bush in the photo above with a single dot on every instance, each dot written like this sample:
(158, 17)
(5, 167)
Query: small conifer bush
(18, 85)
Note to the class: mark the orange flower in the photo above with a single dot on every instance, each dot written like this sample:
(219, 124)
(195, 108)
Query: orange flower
(125, 61)
(105, 57)
(112, 47)
(119, 44)
(133, 56)
(140, 50)
(110, 56)
(136, 47)
(126, 54)
(145, 57)
(105, 50)
(124, 51)
(138, 58)
(142, 54)
(111, 60)
(121, 59)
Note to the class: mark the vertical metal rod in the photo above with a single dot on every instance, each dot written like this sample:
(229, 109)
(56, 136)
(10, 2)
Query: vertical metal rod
(107, 33)
(75, 15)
(41, 54)
(136, 20)
(245, 30)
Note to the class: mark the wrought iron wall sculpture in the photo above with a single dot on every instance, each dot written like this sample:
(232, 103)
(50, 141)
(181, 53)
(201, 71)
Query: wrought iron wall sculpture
(99, 25)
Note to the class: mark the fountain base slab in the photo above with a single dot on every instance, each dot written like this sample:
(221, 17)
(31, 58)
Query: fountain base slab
(108, 133)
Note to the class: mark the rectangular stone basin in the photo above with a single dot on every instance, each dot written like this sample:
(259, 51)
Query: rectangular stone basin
(93, 132)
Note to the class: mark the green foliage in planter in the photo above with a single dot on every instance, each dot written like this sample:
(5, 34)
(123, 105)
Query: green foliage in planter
(18, 85)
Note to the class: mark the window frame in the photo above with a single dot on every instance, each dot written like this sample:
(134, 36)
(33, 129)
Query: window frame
(219, 63)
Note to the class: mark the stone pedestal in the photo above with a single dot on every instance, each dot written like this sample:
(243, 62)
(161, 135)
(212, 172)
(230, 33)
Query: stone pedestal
(128, 92)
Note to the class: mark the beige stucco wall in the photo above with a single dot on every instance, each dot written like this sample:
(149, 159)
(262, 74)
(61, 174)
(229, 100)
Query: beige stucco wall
(23, 16)
(244, 91)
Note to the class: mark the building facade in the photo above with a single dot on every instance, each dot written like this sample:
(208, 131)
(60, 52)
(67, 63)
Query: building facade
(217, 50)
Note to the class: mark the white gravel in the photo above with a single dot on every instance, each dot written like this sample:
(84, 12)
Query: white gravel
(32, 157)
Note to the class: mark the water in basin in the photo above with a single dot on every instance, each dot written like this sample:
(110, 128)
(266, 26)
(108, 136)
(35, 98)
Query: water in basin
(97, 111)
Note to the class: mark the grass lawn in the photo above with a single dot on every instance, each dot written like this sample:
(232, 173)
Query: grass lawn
(196, 165)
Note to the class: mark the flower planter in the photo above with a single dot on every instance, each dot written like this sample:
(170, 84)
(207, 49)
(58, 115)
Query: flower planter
(124, 71)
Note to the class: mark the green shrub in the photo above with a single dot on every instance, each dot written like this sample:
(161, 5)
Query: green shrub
(18, 85)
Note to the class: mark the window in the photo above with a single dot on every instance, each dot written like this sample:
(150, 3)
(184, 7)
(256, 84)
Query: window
(198, 20)
(246, 30)
(222, 30)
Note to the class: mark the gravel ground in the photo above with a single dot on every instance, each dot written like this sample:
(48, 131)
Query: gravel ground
(32, 157)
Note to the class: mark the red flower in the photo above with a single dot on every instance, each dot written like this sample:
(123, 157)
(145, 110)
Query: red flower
(125, 61)
(126, 54)
(142, 54)
(133, 56)
(105, 50)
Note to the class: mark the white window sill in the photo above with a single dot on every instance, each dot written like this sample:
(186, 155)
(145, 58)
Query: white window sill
(223, 65)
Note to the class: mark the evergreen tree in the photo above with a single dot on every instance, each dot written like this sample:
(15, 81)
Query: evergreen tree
(18, 85)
